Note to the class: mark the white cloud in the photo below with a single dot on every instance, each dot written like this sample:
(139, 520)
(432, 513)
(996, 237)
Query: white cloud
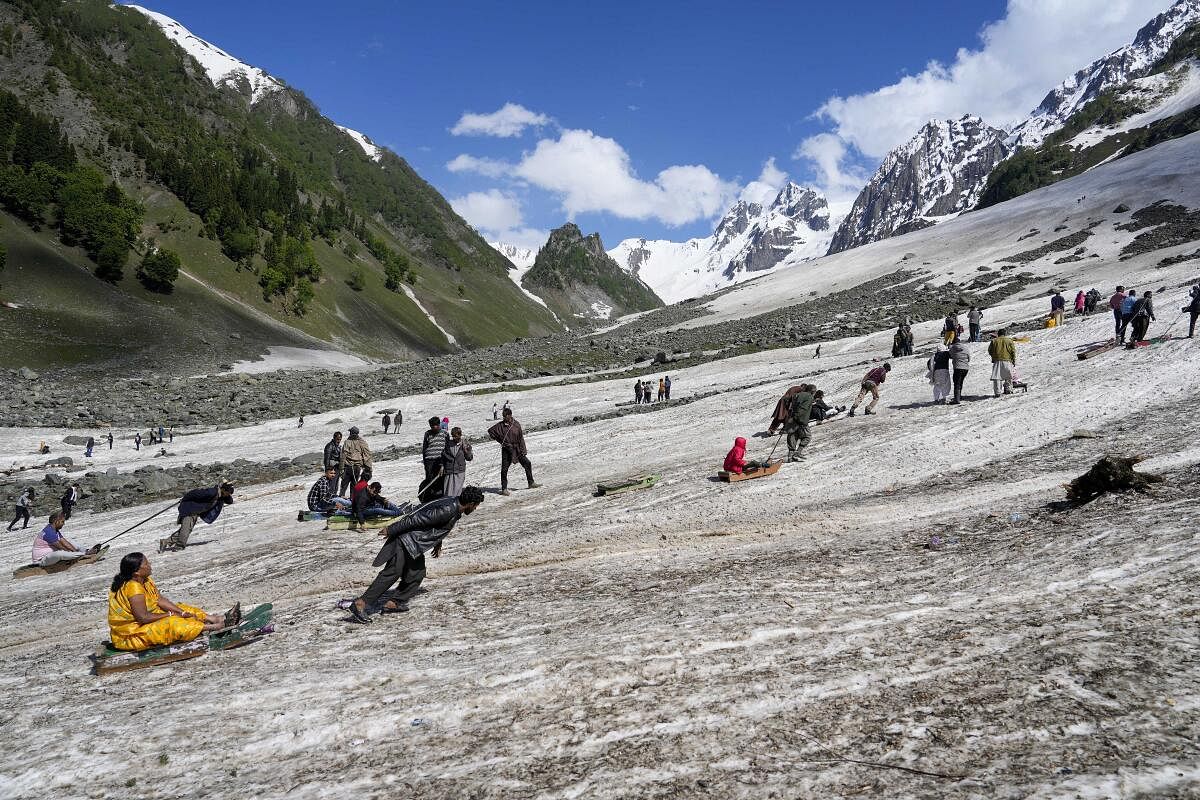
(594, 173)
(509, 120)
(838, 181)
(482, 166)
(498, 216)
(1020, 58)
(767, 186)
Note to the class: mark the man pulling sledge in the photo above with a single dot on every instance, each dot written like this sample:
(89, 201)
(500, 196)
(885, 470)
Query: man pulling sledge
(870, 385)
(796, 426)
(403, 554)
(198, 504)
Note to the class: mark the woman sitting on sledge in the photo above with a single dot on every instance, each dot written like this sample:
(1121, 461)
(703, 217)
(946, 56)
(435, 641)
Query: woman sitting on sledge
(140, 618)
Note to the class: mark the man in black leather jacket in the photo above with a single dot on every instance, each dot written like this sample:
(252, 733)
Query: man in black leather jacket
(403, 554)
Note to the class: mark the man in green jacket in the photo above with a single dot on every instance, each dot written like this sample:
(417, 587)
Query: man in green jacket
(797, 422)
(1004, 359)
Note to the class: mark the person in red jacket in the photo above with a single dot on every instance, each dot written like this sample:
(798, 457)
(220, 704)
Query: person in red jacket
(1115, 303)
(870, 385)
(735, 459)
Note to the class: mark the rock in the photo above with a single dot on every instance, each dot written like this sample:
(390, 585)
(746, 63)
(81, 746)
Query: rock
(336, 421)
(75, 440)
(1121, 209)
(61, 461)
(27, 374)
(1084, 433)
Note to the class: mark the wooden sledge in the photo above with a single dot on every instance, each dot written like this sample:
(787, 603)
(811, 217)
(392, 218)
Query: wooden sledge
(631, 484)
(1095, 350)
(107, 659)
(305, 515)
(33, 570)
(348, 523)
(761, 472)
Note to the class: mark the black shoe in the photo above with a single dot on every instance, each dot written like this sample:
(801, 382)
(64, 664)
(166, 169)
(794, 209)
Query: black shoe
(359, 615)
(851, 413)
(869, 411)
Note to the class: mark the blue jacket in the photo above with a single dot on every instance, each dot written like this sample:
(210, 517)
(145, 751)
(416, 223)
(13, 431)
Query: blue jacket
(1127, 305)
(205, 503)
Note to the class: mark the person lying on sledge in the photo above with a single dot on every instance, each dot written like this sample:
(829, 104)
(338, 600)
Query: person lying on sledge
(322, 497)
(51, 547)
(140, 618)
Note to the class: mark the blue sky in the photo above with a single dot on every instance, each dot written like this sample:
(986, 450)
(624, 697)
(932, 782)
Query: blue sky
(650, 118)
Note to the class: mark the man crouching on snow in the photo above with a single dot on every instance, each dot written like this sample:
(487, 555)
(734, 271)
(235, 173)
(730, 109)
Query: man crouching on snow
(403, 555)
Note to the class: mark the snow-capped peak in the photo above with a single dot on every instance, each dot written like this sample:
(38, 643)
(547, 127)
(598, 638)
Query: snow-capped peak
(521, 257)
(1118, 67)
(373, 151)
(222, 69)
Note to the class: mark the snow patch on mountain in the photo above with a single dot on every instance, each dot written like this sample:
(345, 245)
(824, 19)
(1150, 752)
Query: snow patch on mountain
(521, 259)
(752, 239)
(222, 69)
(1121, 66)
(413, 296)
(373, 152)
(1163, 95)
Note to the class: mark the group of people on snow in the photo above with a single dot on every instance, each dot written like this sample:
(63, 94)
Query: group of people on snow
(643, 390)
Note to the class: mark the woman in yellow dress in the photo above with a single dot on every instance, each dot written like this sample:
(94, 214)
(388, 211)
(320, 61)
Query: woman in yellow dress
(140, 618)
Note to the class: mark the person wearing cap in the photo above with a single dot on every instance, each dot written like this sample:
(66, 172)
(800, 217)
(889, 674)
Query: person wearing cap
(355, 461)
(203, 504)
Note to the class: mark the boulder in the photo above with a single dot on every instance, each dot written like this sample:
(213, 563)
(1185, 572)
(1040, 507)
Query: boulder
(27, 374)
(61, 461)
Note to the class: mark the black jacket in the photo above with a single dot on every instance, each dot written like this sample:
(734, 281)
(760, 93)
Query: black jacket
(333, 453)
(420, 530)
(1144, 307)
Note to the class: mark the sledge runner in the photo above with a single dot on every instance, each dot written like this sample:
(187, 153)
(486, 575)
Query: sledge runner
(332, 455)
(403, 554)
(23, 504)
(198, 504)
(433, 447)
(960, 361)
(69, 499)
(783, 408)
(512, 449)
(140, 618)
(322, 497)
(939, 374)
(51, 547)
(454, 463)
(1003, 352)
(796, 426)
(1140, 317)
(870, 385)
(356, 461)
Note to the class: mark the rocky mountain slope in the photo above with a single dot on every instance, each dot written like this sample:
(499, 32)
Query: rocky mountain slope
(582, 283)
(306, 232)
(937, 174)
(751, 239)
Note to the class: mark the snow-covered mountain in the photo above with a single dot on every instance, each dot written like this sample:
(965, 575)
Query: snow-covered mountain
(937, 174)
(223, 69)
(1121, 66)
(749, 240)
(521, 257)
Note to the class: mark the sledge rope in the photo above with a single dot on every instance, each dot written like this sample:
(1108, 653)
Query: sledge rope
(138, 525)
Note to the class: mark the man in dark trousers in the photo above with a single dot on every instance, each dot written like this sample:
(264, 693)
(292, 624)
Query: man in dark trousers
(796, 426)
(433, 448)
(1140, 318)
(69, 499)
(356, 461)
(110, 441)
(333, 451)
(512, 448)
(205, 504)
(403, 554)
(387, 421)
(870, 385)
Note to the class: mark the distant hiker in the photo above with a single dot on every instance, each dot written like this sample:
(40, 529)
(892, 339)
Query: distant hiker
(939, 374)
(433, 447)
(91, 445)
(1193, 310)
(171, 434)
(898, 342)
(908, 339)
(960, 361)
(1127, 305)
(397, 420)
(161, 433)
(69, 499)
(1003, 352)
(137, 441)
(1115, 302)
(197, 504)
(796, 426)
(735, 459)
(1058, 304)
(1080, 303)
(667, 384)
(783, 408)
(817, 352)
(495, 411)
(974, 318)
(662, 390)
(403, 554)
(51, 547)
(23, 505)
(870, 385)
(387, 422)
(1140, 317)
(355, 462)
(110, 441)
(333, 452)
(512, 449)
(637, 391)
(323, 497)
(454, 463)
(950, 328)
(445, 425)
(140, 618)
(300, 423)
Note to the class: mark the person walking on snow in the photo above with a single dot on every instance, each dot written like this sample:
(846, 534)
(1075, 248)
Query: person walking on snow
(667, 384)
(796, 426)
(960, 360)
(1080, 303)
(1057, 304)
(433, 448)
(637, 392)
(387, 422)
(198, 504)
(91, 444)
(137, 441)
(403, 554)
(1127, 305)
(939, 374)
(783, 408)
(454, 463)
(1193, 309)
(1115, 302)
(974, 318)
(1140, 317)
(355, 462)
(69, 499)
(512, 449)
(110, 440)
(24, 503)
(662, 390)
(870, 385)
(1003, 352)
(300, 423)
(950, 328)
(495, 411)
